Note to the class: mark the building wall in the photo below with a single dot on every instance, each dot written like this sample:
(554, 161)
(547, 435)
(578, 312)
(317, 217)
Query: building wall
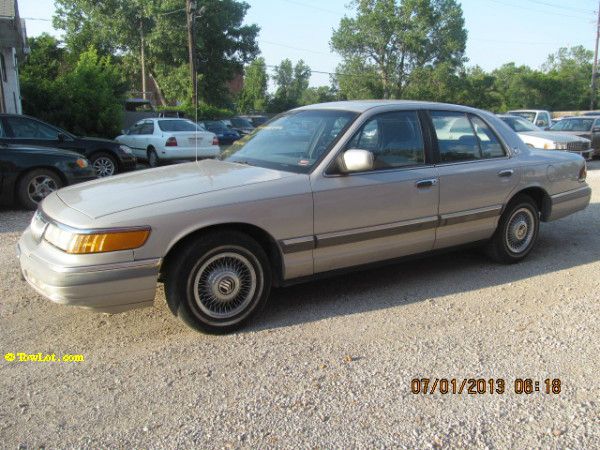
(9, 75)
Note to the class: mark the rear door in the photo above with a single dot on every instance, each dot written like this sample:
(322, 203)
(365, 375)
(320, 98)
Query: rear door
(384, 213)
(476, 177)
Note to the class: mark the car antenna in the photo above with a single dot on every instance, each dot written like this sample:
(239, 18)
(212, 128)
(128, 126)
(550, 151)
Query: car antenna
(196, 115)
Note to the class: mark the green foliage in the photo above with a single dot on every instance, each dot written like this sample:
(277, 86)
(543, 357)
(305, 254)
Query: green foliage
(392, 38)
(85, 97)
(223, 43)
(291, 82)
(253, 97)
(321, 94)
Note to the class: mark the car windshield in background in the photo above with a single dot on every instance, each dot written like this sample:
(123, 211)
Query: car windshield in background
(215, 126)
(573, 125)
(520, 125)
(178, 125)
(524, 114)
(239, 122)
(292, 142)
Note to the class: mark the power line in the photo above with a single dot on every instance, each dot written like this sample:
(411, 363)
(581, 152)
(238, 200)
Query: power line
(337, 13)
(556, 13)
(568, 8)
(37, 18)
(294, 48)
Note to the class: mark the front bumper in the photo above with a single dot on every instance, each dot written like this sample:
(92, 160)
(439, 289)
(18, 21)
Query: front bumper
(106, 287)
(127, 162)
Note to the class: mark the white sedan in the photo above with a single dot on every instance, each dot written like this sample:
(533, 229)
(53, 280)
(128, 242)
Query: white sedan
(157, 139)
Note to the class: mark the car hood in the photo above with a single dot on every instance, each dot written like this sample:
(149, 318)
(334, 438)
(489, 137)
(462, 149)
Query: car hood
(98, 140)
(553, 136)
(114, 194)
(33, 149)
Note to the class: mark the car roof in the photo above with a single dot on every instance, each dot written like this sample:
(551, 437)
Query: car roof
(364, 105)
(528, 110)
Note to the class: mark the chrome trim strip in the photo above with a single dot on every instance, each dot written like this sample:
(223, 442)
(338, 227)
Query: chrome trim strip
(583, 191)
(470, 215)
(363, 234)
(299, 244)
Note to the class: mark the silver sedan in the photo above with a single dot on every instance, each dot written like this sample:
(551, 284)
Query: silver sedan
(317, 190)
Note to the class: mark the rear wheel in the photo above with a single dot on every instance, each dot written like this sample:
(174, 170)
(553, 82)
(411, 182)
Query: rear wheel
(35, 186)
(104, 164)
(517, 231)
(218, 282)
(152, 156)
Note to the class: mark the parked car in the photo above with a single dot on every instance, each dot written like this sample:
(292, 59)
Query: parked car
(587, 127)
(158, 139)
(28, 174)
(591, 113)
(374, 182)
(256, 120)
(539, 117)
(537, 138)
(239, 124)
(226, 135)
(107, 157)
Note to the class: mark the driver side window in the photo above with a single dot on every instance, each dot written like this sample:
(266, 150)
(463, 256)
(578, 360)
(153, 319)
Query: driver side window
(24, 128)
(394, 138)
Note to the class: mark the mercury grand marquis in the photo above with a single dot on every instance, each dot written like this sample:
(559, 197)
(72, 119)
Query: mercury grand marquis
(318, 189)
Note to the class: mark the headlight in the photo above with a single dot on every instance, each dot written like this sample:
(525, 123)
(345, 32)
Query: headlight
(82, 163)
(560, 145)
(80, 242)
(126, 149)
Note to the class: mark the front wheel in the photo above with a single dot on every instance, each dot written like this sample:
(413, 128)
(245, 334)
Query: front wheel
(218, 282)
(104, 164)
(517, 231)
(35, 186)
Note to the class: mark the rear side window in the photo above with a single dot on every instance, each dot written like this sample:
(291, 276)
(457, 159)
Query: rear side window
(463, 137)
(394, 138)
(178, 125)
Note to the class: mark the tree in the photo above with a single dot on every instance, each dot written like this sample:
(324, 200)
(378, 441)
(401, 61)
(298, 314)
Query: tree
(85, 97)
(319, 94)
(253, 97)
(223, 43)
(291, 82)
(394, 37)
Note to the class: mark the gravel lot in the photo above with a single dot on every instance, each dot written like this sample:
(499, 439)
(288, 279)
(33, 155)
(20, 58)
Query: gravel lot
(329, 364)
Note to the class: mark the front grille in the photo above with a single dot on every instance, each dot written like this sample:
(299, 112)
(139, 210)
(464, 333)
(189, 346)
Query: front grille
(578, 146)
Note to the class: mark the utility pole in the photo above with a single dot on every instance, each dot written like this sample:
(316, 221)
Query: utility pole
(143, 58)
(190, 10)
(595, 69)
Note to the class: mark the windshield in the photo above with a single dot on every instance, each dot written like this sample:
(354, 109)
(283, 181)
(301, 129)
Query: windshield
(239, 122)
(573, 125)
(520, 125)
(293, 141)
(216, 126)
(178, 125)
(529, 115)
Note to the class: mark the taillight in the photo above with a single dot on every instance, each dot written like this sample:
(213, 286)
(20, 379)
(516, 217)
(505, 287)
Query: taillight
(215, 141)
(171, 142)
(583, 172)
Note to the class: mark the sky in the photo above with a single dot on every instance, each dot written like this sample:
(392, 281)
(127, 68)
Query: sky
(499, 31)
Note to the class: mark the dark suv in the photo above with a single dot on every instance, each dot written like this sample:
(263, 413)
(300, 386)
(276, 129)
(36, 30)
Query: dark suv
(107, 157)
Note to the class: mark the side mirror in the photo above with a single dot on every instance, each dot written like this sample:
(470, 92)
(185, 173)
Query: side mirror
(596, 130)
(123, 132)
(547, 129)
(356, 160)
(61, 137)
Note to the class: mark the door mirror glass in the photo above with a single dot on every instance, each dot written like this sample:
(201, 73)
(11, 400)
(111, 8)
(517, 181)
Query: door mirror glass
(61, 137)
(596, 129)
(356, 160)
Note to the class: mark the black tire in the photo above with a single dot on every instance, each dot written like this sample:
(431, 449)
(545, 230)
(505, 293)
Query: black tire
(104, 164)
(36, 185)
(517, 231)
(218, 282)
(152, 157)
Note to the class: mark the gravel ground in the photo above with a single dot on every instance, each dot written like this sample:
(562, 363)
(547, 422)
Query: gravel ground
(329, 364)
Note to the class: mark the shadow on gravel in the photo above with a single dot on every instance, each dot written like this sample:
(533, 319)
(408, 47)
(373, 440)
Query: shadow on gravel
(562, 245)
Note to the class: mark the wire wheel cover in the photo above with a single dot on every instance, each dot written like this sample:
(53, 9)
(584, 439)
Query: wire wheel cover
(224, 285)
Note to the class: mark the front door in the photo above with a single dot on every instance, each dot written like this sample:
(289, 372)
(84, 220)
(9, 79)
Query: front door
(476, 177)
(388, 212)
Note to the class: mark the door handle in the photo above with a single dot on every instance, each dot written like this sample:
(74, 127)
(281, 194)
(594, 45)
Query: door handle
(506, 173)
(421, 184)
